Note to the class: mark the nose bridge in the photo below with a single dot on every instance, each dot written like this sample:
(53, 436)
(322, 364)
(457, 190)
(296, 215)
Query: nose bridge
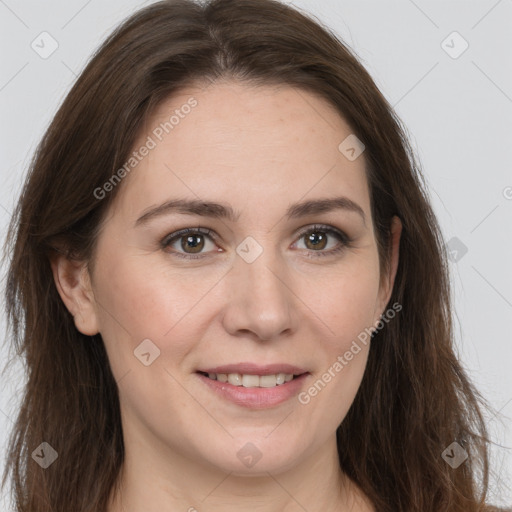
(260, 298)
(265, 278)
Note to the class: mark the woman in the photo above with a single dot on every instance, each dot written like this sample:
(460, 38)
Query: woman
(229, 286)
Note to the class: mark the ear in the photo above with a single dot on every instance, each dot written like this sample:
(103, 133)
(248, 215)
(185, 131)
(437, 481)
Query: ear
(388, 280)
(73, 283)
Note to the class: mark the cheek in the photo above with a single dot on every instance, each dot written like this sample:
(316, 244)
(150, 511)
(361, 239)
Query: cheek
(138, 301)
(346, 300)
(141, 297)
(347, 308)
(346, 304)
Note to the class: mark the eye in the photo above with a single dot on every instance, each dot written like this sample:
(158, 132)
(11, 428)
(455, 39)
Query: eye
(192, 239)
(316, 239)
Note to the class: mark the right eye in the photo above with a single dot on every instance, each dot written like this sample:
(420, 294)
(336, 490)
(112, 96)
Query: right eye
(192, 239)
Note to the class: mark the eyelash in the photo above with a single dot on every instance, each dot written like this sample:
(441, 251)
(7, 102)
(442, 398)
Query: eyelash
(345, 240)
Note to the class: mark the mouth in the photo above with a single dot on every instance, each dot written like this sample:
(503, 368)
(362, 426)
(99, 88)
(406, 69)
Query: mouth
(254, 387)
(252, 381)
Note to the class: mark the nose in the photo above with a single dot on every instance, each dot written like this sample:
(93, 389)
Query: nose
(261, 301)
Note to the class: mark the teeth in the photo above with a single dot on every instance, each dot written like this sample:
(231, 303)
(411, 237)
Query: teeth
(252, 381)
(235, 379)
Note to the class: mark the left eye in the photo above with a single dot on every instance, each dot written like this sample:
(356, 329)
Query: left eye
(316, 239)
(194, 240)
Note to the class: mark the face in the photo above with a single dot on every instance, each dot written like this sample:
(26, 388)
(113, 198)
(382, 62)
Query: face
(268, 282)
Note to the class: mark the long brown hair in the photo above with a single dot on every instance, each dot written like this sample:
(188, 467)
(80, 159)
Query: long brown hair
(415, 399)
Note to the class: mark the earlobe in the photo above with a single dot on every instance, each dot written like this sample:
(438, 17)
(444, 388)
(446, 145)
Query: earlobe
(73, 283)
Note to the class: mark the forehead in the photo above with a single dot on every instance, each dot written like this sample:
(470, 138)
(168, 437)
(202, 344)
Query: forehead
(247, 145)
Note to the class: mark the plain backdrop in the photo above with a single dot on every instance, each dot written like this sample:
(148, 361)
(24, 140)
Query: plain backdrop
(453, 91)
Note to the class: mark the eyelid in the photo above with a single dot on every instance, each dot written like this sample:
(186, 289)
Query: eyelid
(323, 227)
(187, 231)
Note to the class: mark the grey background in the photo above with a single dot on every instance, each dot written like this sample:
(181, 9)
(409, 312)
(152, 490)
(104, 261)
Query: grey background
(458, 112)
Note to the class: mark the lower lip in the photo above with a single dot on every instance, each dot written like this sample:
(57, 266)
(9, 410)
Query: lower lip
(256, 398)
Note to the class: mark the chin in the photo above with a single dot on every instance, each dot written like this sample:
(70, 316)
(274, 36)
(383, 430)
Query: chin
(257, 455)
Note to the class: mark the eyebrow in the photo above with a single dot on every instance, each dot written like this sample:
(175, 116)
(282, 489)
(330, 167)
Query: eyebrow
(225, 211)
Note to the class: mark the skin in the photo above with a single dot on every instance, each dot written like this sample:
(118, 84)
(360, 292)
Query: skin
(258, 150)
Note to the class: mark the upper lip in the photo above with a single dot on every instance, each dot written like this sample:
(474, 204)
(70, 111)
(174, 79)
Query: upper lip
(255, 369)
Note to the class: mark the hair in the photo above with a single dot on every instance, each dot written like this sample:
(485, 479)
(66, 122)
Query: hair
(415, 399)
